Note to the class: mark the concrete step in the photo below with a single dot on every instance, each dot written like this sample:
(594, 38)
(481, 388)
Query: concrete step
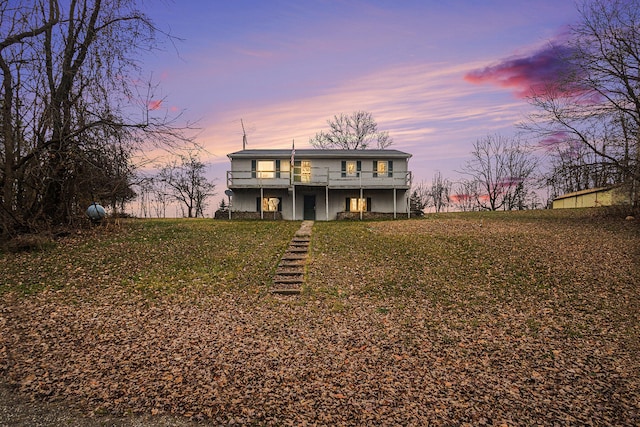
(297, 250)
(289, 276)
(299, 272)
(298, 245)
(294, 257)
(287, 281)
(292, 262)
(285, 291)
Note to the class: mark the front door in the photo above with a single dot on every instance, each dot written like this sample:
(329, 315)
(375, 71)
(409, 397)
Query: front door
(309, 208)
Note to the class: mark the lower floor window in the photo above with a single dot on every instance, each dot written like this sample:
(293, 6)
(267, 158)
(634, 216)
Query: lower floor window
(269, 204)
(354, 204)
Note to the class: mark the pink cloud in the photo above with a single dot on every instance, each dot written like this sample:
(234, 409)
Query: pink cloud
(509, 182)
(456, 198)
(563, 142)
(526, 75)
(554, 140)
(155, 104)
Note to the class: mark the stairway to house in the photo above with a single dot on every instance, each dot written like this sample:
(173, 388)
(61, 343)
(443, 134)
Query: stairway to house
(289, 276)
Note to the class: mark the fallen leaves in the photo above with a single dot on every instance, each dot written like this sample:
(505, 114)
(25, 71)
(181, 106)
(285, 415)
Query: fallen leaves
(440, 323)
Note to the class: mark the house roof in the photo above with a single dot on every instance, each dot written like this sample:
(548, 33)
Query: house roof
(320, 154)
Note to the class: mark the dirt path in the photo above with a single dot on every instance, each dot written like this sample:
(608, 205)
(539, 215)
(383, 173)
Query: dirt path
(19, 411)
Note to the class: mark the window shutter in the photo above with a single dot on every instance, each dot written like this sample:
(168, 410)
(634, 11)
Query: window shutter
(258, 204)
(253, 168)
(280, 204)
(347, 204)
(368, 204)
(277, 168)
(359, 166)
(390, 174)
(344, 168)
(375, 168)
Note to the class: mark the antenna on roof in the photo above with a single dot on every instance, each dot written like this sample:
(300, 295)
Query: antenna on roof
(244, 136)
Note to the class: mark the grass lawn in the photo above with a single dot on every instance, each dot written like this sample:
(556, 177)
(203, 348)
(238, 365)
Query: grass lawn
(520, 318)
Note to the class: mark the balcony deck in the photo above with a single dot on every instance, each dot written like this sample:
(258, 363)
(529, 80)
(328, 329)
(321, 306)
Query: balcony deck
(319, 178)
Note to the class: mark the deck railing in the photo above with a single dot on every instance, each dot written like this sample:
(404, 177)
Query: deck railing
(319, 177)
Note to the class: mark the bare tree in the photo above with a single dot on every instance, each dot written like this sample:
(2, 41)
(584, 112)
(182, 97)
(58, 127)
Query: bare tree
(69, 107)
(160, 198)
(466, 195)
(439, 192)
(188, 184)
(357, 131)
(105, 172)
(419, 199)
(573, 167)
(145, 193)
(596, 102)
(502, 169)
(18, 30)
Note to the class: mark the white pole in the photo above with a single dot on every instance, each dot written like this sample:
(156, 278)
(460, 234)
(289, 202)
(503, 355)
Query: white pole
(326, 202)
(292, 168)
(394, 203)
(360, 201)
(407, 193)
(294, 201)
(326, 198)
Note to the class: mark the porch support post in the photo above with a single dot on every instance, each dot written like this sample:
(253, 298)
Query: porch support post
(326, 201)
(395, 208)
(294, 202)
(261, 203)
(360, 203)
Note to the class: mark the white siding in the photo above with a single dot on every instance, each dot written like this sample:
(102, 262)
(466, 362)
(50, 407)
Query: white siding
(327, 179)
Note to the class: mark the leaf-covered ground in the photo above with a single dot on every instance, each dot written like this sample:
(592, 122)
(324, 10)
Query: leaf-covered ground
(527, 318)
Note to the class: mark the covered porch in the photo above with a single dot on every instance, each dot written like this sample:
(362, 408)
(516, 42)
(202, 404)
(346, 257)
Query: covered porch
(321, 203)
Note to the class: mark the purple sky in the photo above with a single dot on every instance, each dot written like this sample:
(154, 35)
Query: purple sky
(438, 75)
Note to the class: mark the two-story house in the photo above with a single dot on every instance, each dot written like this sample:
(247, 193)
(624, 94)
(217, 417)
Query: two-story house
(320, 184)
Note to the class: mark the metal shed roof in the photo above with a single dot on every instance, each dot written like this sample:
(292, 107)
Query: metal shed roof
(583, 192)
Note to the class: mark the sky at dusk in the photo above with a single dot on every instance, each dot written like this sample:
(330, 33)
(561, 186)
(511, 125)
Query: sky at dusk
(438, 75)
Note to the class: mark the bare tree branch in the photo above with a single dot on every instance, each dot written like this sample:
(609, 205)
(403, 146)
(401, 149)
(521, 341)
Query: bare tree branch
(357, 131)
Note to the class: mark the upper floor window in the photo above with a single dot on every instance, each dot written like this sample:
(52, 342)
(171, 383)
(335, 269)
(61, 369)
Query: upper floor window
(302, 171)
(351, 168)
(383, 168)
(265, 169)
